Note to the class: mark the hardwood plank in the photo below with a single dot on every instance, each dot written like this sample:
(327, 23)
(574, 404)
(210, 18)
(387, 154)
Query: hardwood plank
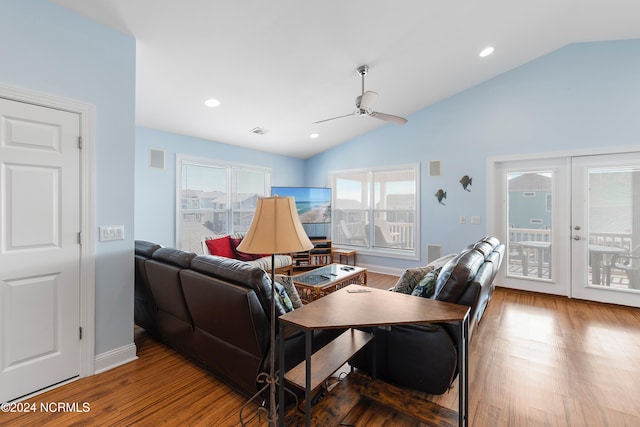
(408, 402)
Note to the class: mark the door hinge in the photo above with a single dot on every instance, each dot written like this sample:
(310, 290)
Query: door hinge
(80, 142)
(80, 238)
(80, 332)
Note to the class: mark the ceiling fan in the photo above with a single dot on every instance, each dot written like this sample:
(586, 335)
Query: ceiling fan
(364, 103)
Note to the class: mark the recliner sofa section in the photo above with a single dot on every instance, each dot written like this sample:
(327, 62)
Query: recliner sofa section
(216, 311)
(424, 357)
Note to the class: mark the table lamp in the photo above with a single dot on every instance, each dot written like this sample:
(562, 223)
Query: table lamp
(275, 229)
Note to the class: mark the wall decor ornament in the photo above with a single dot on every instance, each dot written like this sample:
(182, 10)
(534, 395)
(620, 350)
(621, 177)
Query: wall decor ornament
(441, 195)
(466, 181)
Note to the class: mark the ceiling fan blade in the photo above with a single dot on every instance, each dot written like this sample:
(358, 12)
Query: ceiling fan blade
(333, 118)
(389, 118)
(368, 99)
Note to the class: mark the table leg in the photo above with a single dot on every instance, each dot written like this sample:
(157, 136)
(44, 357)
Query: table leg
(281, 378)
(307, 391)
(463, 372)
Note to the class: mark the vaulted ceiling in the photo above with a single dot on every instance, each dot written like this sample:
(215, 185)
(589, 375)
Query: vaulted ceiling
(281, 65)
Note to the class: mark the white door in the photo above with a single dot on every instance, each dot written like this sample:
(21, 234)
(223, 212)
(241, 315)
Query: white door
(39, 248)
(530, 215)
(606, 228)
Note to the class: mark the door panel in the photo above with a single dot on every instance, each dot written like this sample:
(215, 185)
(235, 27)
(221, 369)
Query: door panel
(532, 221)
(39, 248)
(606, 228)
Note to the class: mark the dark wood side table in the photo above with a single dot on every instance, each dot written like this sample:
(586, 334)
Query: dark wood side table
(371, 307)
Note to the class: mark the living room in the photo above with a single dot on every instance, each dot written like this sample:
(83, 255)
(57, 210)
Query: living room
(580, 98)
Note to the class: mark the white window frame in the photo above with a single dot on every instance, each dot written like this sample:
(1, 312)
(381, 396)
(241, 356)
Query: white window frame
(402, 253)
(230, 167)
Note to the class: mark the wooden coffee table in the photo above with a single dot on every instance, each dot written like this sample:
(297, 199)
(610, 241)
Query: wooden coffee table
(317, 283)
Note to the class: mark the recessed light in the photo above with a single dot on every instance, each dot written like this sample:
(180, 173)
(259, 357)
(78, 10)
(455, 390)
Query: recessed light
(486, 51)
(314, 135)
(212, 102)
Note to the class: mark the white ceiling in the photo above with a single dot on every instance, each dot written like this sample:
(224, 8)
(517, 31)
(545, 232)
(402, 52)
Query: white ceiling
(283, 64)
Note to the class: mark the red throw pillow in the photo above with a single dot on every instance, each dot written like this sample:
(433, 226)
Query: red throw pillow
(242, 256)
(221, 247)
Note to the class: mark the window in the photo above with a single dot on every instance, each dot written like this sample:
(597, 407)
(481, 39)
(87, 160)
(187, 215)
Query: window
(216, 198)
(376, 210)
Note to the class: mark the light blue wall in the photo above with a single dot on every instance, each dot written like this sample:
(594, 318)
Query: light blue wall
(49, 49)
(155, 203)
(583, 95)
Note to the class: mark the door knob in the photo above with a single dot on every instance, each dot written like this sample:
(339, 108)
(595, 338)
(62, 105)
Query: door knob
(576, 237)
(577, 227)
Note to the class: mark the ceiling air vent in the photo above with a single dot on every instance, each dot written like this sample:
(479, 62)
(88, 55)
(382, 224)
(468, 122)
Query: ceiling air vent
(258, 131)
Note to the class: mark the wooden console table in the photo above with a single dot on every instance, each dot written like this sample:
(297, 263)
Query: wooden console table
(370, 308)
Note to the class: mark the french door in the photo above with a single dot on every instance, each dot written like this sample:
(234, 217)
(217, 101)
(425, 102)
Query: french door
(571, 226)
(530, 217)
(605, 228)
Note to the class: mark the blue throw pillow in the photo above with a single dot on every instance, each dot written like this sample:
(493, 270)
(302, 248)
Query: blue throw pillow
(427, 285)
(284, 299)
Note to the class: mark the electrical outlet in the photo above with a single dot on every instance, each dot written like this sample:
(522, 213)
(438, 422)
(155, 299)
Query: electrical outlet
(475, 220)
(463, 220)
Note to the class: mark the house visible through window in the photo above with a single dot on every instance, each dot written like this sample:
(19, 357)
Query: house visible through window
(376, 210)
(216, 198)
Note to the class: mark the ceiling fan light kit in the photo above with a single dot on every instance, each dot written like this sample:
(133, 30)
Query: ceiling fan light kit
(365, 101)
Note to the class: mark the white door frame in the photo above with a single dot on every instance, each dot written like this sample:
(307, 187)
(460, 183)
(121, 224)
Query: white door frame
(494, 204)
(87, 256)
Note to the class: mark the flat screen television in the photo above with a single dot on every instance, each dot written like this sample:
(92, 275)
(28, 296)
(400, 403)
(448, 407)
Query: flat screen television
(313, 203)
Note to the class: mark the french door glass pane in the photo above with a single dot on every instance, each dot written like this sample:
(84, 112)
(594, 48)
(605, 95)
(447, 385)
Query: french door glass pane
(530, 204)
(614, 234)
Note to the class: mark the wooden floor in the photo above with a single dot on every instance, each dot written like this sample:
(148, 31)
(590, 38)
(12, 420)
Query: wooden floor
(534, 361)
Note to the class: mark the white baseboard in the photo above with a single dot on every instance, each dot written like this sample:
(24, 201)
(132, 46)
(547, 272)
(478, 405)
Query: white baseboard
(115, 357)
(383, 270)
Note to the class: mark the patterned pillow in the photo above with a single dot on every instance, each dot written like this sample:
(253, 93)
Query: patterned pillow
(427, 285)
(287, 282)
(440, 262)
(285, 301)
(410, 279)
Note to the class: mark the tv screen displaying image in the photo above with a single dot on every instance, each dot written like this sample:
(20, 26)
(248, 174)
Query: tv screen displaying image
(313, 203)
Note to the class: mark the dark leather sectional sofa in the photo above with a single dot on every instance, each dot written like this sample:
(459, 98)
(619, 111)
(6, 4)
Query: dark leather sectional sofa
(424, 357)
(213, 310)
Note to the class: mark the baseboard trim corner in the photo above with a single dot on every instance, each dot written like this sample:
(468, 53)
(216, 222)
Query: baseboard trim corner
(114, 358)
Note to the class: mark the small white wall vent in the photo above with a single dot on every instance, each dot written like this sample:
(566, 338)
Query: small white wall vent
(156, 159)
(434, 168)
(259, 131)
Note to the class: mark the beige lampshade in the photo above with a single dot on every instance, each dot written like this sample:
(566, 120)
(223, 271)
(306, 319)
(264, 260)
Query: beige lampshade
(275, 229)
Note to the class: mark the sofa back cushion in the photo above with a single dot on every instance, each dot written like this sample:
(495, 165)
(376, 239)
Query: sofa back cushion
(456, 274)
(241, 274)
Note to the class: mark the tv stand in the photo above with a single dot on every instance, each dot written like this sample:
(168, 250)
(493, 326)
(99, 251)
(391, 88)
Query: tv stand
(320, 255)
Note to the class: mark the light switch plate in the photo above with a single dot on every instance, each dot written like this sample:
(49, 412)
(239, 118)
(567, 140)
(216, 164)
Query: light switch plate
(111, 232)
(475, 220)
